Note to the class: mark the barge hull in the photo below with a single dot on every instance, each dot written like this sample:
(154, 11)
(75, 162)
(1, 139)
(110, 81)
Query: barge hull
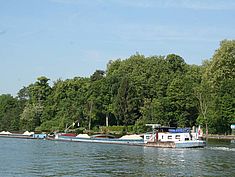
(101, 140)
(190, 144)
(185, 144)
(160, 144)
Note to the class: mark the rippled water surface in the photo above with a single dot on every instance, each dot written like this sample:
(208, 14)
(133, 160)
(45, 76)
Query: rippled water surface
(28, 158)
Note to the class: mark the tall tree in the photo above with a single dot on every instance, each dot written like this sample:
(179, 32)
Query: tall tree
(220, 76)
(38, 94)
(10, 109)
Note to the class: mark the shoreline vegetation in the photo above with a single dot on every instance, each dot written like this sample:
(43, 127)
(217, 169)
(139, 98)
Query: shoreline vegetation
(129, 94)
(222, 137)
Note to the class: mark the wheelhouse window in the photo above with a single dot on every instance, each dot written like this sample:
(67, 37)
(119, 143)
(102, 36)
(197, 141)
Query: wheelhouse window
(177, 137)
(170, 137)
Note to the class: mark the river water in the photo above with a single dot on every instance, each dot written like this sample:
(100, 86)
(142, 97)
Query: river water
(29, 158)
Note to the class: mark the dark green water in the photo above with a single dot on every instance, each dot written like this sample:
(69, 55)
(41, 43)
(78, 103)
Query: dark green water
(29, 158)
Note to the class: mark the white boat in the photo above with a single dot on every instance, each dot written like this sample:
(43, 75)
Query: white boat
(172, 137)
(102, 138)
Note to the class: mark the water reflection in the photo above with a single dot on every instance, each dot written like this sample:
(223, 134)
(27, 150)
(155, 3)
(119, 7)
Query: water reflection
(51, 158)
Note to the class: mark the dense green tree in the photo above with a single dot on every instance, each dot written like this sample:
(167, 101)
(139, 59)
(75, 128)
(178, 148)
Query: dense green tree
(10, 110)
(31, 117)
(222, 64)
(40, 90)
(126, 103)
(97, 75)
(37, 94)
(23, 94)
(136, 90)
(175, 63)
(67, 102)
(157, 111)
(219, 78)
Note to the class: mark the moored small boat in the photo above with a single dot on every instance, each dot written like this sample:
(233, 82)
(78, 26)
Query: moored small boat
(25, 135)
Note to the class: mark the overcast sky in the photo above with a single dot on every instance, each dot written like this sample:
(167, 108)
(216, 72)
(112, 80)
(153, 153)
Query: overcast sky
(68, 38)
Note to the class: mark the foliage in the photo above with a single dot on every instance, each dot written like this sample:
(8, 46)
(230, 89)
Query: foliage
(10, 110)
(116, 129)
(219, 79)
(129, 94)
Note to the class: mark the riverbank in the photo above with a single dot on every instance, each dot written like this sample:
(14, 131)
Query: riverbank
(225, 137)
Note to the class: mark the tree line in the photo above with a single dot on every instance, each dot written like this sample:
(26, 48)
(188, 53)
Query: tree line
(133, 91)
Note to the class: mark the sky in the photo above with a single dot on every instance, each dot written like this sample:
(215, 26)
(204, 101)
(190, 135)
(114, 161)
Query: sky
(63, 39)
